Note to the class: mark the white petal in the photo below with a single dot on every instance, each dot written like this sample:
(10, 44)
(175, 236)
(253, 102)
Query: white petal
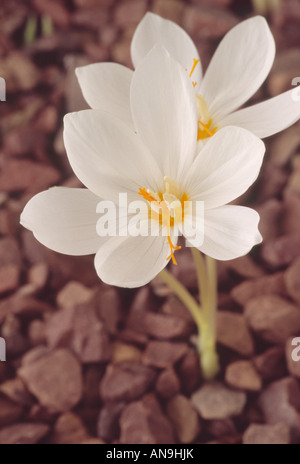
(239, 67)
(107, 156)
(131, 261)
(269, 117)
(64, 220)
(230, 232)
(225, 168)
(164, 111)
(154, 30)
(106, 86)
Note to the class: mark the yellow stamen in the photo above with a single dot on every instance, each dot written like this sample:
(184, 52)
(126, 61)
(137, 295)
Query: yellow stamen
(205, 122)
(194, 66)
(160, 209)
(205, 131)
(195, 62)
(146, 195)
(172, 248)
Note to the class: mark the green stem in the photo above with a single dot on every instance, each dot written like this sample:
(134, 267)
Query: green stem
(183, 295)
(205, 316)
(213, 292)
(201, 276)
(208, 335)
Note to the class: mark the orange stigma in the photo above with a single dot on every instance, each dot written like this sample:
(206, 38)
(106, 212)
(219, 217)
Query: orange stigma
(172, 248)
(161, 210)
(194, 66)
(143, 192)
(205, 131)
(195, 62)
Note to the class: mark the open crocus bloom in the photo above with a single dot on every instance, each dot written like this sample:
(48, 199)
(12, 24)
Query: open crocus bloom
(154, 163)
(238, 68)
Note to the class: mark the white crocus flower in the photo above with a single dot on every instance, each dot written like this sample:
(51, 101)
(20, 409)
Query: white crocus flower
(155, 162)
(238, 68)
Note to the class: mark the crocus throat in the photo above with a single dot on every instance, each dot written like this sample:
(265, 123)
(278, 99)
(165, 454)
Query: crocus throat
(167, 208)
(206, 127)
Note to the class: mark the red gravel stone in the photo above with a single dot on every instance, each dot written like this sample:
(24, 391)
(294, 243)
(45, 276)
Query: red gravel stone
(214, 401)
(245, 267)
(19, 175)
(9, 412)
(9, 252)
(91, 380)
(25, 141)
(9, 278)
(270, 219)
(38, 275)
(273, 318)
(222, 428)
(108, 421)
(55, 379)
(79, 328)
(90, 340)
(189, 372)
(166, 327)
(130, 12)
(109, 310)
(271, 363)
(256, 434)
(272, 181)
(184, 418)
(280, 402)
(122, 352)
(292, 281)
(169, 9)
(142, 303)
(152, 426)
(23, 434)
(291, 213)
(286, 67)
(68, 430)
(242, 375)
(37, 332)
(55, 9)
(167, 384)
(90, 17)
(282, 251)
(234, 334)
(16, 80)
(23, 305)
(164, 354)
(208, 22)
(272, 284)
(15, 390)
(174, 307)
(74, 294)
(125, 382)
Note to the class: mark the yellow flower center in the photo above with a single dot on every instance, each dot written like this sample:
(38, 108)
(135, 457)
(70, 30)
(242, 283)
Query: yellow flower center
(167, 208)
(206, 127)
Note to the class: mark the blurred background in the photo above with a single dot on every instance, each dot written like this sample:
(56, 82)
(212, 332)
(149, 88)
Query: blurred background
(87, 363)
